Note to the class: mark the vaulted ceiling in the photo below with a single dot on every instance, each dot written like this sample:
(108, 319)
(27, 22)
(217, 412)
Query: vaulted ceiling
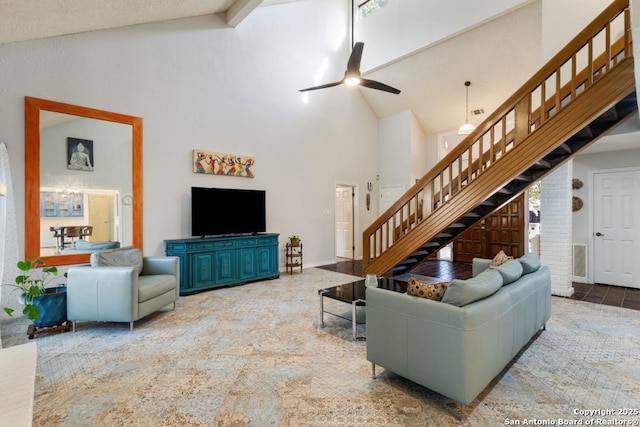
(432, 79)
(27, 20)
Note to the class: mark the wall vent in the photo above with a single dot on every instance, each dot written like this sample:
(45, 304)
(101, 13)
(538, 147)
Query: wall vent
(579, 254)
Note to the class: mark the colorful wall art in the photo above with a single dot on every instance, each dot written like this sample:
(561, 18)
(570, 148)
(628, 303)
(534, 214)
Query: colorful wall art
(223, 164)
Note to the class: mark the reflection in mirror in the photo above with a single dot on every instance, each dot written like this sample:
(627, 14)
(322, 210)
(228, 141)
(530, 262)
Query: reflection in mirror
(83, 181)
(85, 168)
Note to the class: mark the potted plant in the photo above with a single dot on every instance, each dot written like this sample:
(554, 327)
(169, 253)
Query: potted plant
(44, 306)
(294, 240)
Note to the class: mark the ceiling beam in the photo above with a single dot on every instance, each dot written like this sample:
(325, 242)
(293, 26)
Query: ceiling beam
(239, 10)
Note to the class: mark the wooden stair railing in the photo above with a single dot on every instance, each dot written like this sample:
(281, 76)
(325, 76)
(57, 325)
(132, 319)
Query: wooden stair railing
(510, 140)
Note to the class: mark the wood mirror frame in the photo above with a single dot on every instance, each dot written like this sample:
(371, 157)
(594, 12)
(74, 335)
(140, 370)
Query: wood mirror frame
(33, 106)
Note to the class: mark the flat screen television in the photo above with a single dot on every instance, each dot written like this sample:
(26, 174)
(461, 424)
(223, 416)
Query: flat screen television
(221, 211)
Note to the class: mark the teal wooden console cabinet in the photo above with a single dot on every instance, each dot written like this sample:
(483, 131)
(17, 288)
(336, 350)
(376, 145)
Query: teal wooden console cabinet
(211, 262)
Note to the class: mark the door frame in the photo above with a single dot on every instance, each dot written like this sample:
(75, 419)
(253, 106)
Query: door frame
(591, 259)
(357, 251)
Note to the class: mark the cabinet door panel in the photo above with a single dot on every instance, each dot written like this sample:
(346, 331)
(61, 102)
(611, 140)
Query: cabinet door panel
(265, 262)
(224, 267)
(203, 270)
(247, 263)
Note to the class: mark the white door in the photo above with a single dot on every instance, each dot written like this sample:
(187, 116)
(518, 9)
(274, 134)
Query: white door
(344, 221)
(388, 196)
(616, 227)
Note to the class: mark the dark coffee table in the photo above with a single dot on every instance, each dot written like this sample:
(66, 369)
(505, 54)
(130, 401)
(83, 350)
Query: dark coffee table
(354, 293)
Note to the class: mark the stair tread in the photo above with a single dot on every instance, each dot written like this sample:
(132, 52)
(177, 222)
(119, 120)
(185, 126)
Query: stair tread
(457, 225)
(430, 244)
(419, 254)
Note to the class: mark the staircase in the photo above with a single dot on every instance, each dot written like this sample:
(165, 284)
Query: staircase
(587, 89)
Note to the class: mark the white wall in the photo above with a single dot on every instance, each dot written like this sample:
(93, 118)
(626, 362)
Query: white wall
(410, 25)
(395, 146)
(419, 154)
(558, 30)
(199, 84)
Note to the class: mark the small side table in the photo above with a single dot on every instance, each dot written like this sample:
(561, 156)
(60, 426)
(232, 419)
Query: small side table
(293, 257)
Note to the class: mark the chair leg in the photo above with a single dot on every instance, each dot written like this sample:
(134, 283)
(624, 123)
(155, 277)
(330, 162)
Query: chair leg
(373, 370)
(131, 326)
(74, 325)
(174, 306)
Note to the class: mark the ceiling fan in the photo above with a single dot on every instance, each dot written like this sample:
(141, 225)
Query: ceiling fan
(352, 76)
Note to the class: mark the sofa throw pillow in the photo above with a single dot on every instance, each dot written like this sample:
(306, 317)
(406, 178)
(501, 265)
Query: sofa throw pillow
(463, 292)
(123, 258)
(530, 262)
(510, 271)
(500, 259)
(432, 291)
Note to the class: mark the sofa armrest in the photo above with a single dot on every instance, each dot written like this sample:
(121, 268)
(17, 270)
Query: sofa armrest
(102, 293)
(152, 266)
(478, 265)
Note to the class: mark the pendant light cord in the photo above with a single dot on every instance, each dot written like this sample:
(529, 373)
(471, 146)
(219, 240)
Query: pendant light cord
(466, 119)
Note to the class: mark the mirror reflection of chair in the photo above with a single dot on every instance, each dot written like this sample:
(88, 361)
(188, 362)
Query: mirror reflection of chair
(72, 233)
(86, 231)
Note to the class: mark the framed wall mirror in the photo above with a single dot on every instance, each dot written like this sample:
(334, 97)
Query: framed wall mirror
(83, 181)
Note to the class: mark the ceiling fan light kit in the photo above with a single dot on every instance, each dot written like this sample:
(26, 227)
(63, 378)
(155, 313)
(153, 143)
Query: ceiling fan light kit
(467, 127)
(352, 76)
(352, 81)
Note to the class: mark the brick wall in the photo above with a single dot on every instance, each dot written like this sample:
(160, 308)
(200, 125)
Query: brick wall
(556, 228)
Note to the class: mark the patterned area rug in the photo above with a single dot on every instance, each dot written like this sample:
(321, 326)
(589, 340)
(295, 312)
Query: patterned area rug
(254, 355)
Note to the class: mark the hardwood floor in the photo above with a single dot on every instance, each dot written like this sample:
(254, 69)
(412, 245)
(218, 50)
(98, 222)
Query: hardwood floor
(446, 270)
(346, 266)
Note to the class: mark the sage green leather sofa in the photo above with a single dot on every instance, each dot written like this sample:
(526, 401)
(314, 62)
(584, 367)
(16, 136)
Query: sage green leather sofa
(457, 350)
(121, 286)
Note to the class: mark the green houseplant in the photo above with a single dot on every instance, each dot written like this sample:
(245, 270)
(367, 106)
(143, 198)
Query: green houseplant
(43, 306)
(294, 240)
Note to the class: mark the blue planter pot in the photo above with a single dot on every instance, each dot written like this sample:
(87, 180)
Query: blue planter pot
(53, 307)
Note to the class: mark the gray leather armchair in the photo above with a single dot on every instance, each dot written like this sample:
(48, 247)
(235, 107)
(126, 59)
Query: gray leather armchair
(119, 294)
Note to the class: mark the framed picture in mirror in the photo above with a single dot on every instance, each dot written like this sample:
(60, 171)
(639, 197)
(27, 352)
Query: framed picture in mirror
(80, 154)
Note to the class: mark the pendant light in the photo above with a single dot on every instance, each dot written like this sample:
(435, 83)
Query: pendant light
(467, 127)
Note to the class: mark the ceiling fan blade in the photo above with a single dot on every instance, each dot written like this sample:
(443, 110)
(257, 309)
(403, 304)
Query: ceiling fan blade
(321, 86)
(353, 66)
(372, 84)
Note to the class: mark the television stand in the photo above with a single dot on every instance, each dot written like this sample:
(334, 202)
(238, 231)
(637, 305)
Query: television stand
(213, 262)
